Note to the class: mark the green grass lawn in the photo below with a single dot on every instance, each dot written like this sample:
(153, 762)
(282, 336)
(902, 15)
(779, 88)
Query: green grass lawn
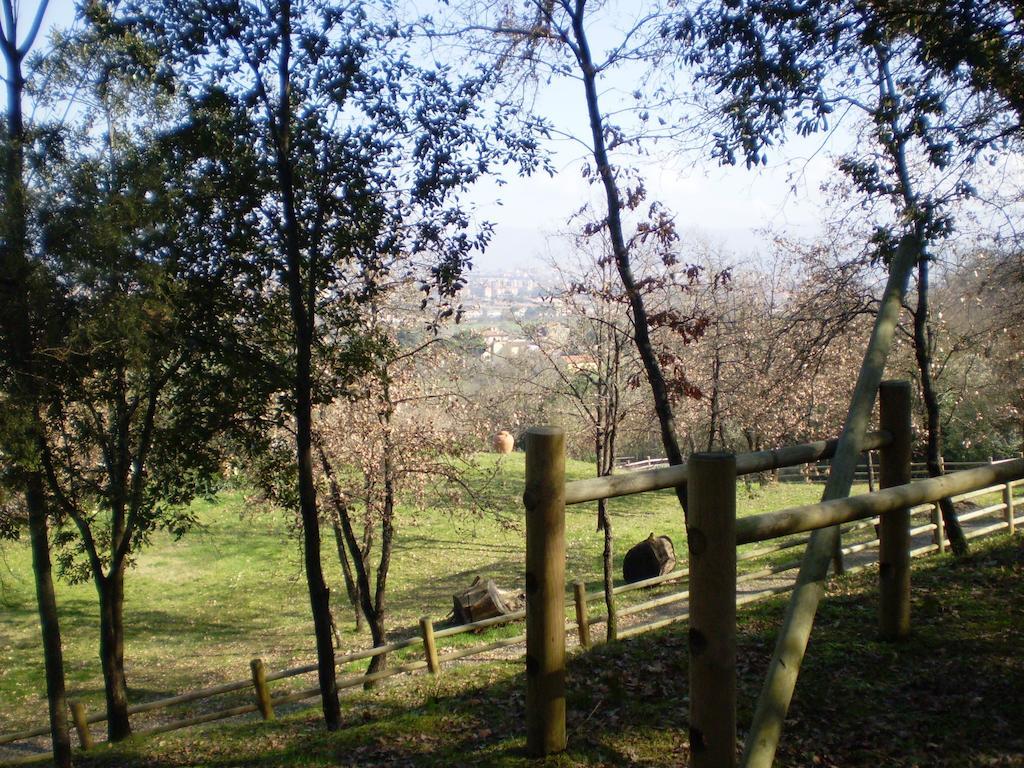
(948, 696)
(199, 608)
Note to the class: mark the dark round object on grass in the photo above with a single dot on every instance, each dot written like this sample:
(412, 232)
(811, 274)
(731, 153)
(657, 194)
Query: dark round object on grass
(654, 556)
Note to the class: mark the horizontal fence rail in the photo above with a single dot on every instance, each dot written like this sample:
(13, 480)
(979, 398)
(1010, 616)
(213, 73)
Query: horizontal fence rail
(611, 486)
(827, 513)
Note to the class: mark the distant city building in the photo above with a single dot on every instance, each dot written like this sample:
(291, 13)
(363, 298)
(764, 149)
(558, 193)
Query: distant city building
(502, 344)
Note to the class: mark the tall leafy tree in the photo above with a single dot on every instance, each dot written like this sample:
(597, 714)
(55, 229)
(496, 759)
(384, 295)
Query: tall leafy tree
(27, 323)
(980, 40)
(776, 69)
(131, 231)
(361, 152)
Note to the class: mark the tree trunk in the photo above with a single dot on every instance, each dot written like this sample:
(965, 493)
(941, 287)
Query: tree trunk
(16, 319)
(341, 507)
(716, 371)
(612, 629)
(111, 598)
(359, 560)
(387, 538)
(53, 656)
(605, 460)
(923, 355)
(379, 636)
(359, 564)
(303, 320)
(655, 376)
(319, 595)
(351, 586)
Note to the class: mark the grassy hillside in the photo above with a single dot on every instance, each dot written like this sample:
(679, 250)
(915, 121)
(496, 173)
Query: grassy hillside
(232, 589)
(946, 697)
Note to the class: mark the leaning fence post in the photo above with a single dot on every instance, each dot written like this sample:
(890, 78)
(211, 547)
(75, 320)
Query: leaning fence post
(262, 690)
(429, 645)
(894, 545)
(544, 499)
(1008, 501)
(712, 543)
(582, 620)
(81, 724)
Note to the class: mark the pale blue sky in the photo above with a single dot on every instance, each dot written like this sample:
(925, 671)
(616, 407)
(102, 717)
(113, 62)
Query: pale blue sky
(727, 206)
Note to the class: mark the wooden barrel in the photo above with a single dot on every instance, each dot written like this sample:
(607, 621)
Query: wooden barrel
(654, 556)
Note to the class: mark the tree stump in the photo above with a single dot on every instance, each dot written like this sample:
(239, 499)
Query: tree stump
(483, 600)
(655, 556)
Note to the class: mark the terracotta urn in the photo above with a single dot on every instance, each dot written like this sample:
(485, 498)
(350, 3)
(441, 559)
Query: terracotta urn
(503, 442)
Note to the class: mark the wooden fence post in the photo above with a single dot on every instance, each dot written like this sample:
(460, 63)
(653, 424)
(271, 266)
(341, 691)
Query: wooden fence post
(1008, 501)
(940, 533)
(582, 620)
(544, 499)
(262, 690)
(894, 535)
(81, 724)
(712, 544)
(429, 645)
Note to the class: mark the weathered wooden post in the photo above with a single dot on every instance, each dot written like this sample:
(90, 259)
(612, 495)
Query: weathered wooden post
(940, 525)
(430, 645)
(712, 543)
(261, 689)
(1008, 501)
(544, 499)
(81, 722)
(894, 545)
(582, 620)
(940, 532)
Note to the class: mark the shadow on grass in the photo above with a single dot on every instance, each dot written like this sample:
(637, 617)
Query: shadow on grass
(945, 697)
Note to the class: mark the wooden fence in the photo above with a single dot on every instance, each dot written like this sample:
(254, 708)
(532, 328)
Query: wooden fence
(817, 472)
(265, 698)
(714, 535)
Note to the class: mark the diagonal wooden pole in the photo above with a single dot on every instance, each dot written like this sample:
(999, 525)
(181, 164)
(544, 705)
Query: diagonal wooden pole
(777, 692)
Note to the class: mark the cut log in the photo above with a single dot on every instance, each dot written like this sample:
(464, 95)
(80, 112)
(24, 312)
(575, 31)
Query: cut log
(655, 556)
(483, 600)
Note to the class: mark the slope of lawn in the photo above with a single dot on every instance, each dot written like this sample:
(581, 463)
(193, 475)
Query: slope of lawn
(198, 609)
(948, 696)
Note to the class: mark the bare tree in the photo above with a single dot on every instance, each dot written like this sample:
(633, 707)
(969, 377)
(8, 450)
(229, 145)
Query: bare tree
(403, 435)
(554, 37)
(592, 369)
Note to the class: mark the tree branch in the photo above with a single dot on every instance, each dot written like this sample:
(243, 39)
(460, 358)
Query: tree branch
(34, 30)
